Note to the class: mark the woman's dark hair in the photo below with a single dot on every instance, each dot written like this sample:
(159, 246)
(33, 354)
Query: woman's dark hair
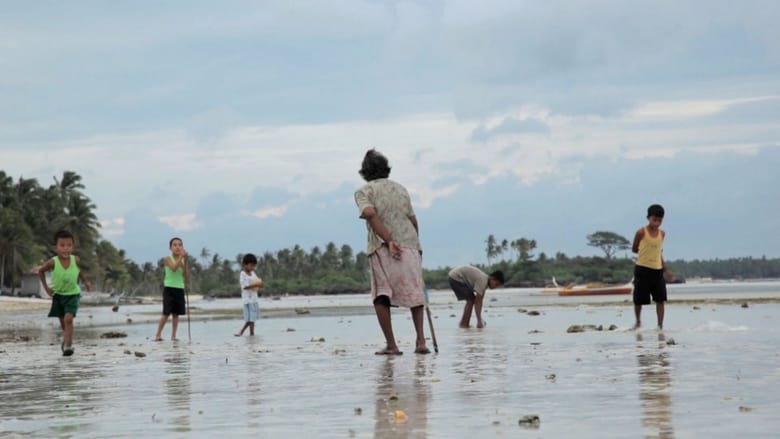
(374, 166)
(249, 258)
(176, 238)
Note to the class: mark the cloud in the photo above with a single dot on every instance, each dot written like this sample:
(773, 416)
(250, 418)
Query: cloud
(181, 223)
(510, 125)
(267, 212)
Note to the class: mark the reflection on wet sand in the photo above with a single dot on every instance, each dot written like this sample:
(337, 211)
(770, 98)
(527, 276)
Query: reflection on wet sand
(252, 386)
(58, 389)
(406, 392)
(178, 387)
(655, 386)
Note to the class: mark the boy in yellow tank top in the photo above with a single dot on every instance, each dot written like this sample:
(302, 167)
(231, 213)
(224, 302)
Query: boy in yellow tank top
(64, 290)
(650, 271)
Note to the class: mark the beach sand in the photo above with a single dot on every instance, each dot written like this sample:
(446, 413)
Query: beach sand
(713, 372)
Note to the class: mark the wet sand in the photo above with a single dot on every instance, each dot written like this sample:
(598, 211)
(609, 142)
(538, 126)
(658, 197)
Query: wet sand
(714, 371)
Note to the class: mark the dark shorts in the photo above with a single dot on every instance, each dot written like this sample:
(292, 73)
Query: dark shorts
(173, 301)
(64, 304)
(461, 290)
(648, 283)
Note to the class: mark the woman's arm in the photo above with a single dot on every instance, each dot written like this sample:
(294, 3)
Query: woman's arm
(371, 217)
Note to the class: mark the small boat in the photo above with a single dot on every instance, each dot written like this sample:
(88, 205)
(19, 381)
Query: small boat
(591, 289)
(586, 290)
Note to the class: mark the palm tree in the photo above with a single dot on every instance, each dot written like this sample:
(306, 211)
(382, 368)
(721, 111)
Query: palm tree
(17, 245)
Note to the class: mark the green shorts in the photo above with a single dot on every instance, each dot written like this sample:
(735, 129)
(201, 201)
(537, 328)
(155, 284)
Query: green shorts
(64, 304)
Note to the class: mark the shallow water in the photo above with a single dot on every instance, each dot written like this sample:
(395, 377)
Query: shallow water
(587, 385)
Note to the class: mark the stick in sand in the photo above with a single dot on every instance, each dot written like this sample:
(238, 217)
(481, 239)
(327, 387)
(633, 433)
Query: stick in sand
(430, 321)
(187, 297)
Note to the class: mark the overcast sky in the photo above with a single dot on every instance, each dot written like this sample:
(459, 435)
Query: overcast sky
(240, 126)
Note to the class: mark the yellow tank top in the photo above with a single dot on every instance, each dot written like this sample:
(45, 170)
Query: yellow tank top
(650, 250)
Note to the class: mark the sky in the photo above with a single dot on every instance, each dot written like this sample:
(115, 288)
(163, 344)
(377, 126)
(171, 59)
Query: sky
(240, 125)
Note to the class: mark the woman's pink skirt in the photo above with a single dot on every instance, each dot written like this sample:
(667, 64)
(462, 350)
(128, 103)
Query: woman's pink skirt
(398, 279)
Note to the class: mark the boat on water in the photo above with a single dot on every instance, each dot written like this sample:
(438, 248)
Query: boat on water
(591, 289)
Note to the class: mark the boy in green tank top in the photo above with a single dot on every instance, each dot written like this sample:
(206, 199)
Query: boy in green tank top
(64, 289)
(176, 275)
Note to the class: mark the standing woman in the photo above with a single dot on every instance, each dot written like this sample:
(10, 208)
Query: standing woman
(393, 249)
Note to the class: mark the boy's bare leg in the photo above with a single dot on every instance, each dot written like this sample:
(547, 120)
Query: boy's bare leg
(67, 323)
(383, 316)
(638, 314)
(160, 326)
(659, 312)
(419, 328)
(251, 328)
(62, 323)
(478, 309)
(464, 321)
(241, 332)
(174, 326)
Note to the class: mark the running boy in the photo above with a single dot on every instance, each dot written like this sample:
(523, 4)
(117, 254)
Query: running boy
(470, 283)
(250, 285)
(64, 290)
(176, 275)
(650, 272)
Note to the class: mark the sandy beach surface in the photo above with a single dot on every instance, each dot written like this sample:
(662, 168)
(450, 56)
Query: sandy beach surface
(310, 371)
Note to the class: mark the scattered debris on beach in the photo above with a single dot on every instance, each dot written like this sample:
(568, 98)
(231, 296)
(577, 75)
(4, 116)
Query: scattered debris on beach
(583, 328)
(302, 311)
(533, 313)
(671, 342)
(290, 329)
(550, 377)
(745, 305)
(696, 307)
(358, 411)
(318, 339)
(743, 408)
(534, 331)
(139, 354)
(112, 334)
(529, 421)
(400, 416)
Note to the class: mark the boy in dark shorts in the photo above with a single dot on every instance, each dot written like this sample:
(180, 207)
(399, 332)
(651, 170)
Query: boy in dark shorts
(176, 274)
(470, 283)
(650, 273)
(64, 291)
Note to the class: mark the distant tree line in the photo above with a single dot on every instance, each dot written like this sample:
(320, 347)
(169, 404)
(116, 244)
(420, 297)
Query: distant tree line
(30, 214)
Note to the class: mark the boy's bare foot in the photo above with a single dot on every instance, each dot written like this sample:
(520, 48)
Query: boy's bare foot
(158, 339)
(238, 334)
(636, 326)
(464, 325)
(174, 339)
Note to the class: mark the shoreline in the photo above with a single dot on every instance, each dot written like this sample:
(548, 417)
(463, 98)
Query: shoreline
(101, 315)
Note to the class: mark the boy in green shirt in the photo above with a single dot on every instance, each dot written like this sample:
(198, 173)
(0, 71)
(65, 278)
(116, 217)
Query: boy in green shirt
(64, 290)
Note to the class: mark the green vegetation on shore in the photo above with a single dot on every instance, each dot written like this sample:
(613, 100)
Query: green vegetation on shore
(31, 213)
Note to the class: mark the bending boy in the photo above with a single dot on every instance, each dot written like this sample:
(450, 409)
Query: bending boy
(470, 283)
